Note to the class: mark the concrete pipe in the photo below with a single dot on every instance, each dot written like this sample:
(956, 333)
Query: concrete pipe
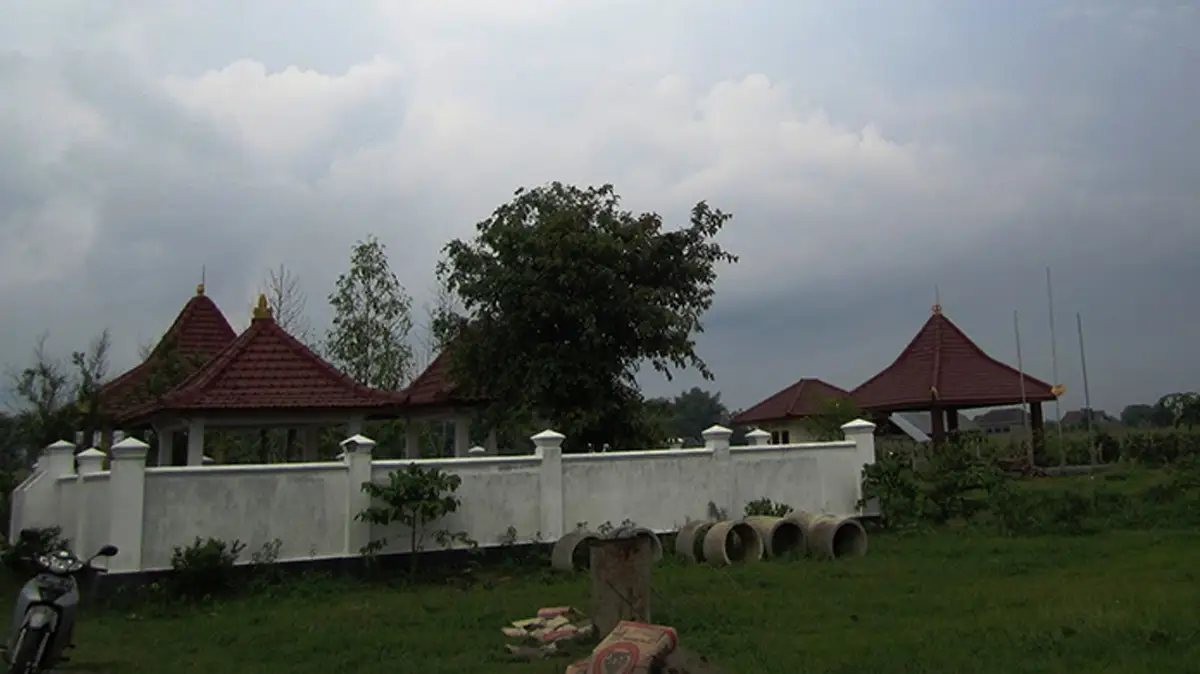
(780, 536)
(655, 544)
(689, 541)
(831, 536)
(731, 543)
(570, 553)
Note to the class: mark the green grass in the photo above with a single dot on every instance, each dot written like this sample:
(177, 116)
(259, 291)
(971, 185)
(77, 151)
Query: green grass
(942, 602)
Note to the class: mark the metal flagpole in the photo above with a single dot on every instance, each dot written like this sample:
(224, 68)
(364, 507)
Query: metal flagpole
(1087, 398)
(1062, 449)
(1024, 399)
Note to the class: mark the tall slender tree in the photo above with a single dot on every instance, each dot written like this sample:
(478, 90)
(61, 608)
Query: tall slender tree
(372, 319)
(288, 302)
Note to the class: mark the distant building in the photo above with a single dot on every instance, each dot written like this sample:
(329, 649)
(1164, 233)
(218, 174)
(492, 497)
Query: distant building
(1002, 421)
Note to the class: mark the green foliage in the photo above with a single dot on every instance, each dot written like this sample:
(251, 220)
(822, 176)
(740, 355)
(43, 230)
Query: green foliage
(686, 416)
(835, 411)
(1146, 416)
(767, 507)
(31, 542)
(564, 295)
(413, 497)
(950, 483)
(372, 321)
(1183, 407)
(206, 568)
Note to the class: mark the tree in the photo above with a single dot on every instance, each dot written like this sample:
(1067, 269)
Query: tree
(430, 342)
(52, 400)
(694, 411)
(288, 303)
(372, 320)
(1184, 408)
(564, 295)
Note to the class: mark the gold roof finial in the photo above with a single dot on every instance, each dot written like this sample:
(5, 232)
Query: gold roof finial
(1058, 390)
(937, 310)
(263, 310)
(199, 288)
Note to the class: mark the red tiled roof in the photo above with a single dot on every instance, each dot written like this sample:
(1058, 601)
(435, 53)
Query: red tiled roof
(805, 398)
(942, 364)
(433, 387)
(199, 330)
(265, 368)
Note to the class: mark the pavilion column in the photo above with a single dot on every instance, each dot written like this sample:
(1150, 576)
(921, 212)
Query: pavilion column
(354, 426)
(490, 443)
(937, 425)
(195, 445)
(166, 445)
(310, 441)
(462, 435)
(412, 440)
(1038, 428)
(951, 420)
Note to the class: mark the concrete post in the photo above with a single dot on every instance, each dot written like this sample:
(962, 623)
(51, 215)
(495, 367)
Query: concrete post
(90, 461)
(548, 447)
(356, 453)
(862, 433)
(758, 437)
(722, 479)
(127, 501)
(58, 459)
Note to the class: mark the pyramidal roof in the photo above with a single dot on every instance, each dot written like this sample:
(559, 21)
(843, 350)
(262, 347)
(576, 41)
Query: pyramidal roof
(942, 366)
(267, 369)
(805, 398)
(199, 331)
(435, 388)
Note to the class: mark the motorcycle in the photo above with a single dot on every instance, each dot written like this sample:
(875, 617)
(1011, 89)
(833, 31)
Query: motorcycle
(44, 616)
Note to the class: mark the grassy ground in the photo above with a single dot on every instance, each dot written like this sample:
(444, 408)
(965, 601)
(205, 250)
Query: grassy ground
(945, 602)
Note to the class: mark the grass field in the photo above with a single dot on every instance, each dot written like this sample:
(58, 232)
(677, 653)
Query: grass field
(944, 602)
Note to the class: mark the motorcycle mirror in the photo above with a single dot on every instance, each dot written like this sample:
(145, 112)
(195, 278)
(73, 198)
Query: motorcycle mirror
(108, 551)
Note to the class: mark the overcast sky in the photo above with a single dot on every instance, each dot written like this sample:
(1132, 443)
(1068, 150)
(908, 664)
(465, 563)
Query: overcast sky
(869, 151)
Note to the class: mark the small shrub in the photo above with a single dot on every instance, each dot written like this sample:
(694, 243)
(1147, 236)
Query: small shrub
(206, 568)
(413, 497)
(30, 543)
(768, 508)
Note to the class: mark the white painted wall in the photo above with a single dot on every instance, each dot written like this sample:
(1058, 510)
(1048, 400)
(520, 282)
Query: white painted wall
(310, 507)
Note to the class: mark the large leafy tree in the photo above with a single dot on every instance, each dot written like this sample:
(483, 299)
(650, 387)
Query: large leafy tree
(564, 296)
(372, 320)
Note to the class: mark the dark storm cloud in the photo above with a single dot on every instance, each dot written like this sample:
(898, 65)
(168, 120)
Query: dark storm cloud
(963, 145)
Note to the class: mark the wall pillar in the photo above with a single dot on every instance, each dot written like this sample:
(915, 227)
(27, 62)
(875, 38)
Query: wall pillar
(862, 433)
(755, 437)
(722, 480)
(127, 501)
(90, 461)
(356, 453)
(547, 446)
(195, 442)
(462, 435)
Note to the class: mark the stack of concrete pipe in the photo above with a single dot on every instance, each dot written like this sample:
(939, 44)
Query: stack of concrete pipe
(570, 553)
(720, 543)
(729, 542)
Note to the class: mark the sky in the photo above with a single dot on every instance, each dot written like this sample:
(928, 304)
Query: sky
(870, 152)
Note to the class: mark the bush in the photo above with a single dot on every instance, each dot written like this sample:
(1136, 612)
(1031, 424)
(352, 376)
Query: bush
(30, 543)
(767, 507)
(414, 497)
(206, 568)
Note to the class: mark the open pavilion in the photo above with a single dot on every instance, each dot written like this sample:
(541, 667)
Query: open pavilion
(942, 371)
